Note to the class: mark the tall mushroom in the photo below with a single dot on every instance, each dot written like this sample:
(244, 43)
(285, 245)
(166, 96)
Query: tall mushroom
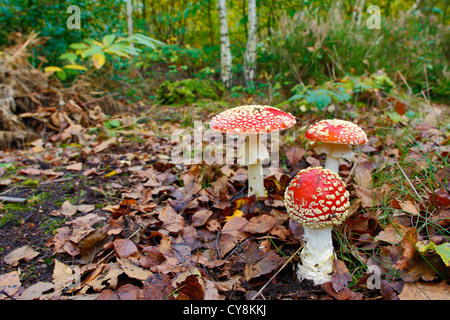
(317, 199)
(336, 136)
(251, 121)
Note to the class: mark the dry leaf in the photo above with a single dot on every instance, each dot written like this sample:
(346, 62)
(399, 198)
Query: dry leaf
(75, 167)
(36, 291)
(409, 207)
(104, 145)
(172, 221)
(30, 171)
(26, 252)
(64, 275)
(341, 277)
(411, 265)
(260, 224)
(125, 248)
(9, 283)
(67, 209)
(393, 233)
(363, 178)
(344, 294)
(200, 217)
(134, 271)
(192, 288)
(86, 208)
(107, 277)
(260, 263)
(425, 291)
(158, 287)
(294, 154)
(313, 161)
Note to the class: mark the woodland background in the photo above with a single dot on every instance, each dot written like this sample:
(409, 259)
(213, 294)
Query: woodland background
(93, 208)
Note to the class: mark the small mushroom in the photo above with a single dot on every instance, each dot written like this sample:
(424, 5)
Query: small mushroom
(317, 199)
(337, 136)
(251, 121)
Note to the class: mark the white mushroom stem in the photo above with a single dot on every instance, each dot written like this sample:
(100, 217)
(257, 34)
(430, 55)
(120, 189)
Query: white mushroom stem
(334, 151)
(317, 255)
(254, 153)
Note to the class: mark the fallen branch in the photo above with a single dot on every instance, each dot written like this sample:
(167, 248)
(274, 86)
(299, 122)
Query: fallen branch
(99, 99)
(12, 199)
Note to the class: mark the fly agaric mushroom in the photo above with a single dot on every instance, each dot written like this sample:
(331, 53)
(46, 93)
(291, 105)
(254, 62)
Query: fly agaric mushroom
(251, 121)
(317, 199)
(336, 136)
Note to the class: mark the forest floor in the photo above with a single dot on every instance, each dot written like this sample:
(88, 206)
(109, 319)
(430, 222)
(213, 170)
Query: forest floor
(109, 216)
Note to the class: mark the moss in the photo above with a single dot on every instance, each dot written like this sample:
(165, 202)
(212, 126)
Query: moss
(189, 90)
(30, 183)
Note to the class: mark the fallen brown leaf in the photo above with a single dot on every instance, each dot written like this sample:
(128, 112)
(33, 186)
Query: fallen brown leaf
(158, 287)
(67, 209)
(26, 253)
(192, 288)
(261, 263)
(75, 167)
(294, 154)
(125, 248)
(134, 271)
(259, 224)
(425, 291)
(344, 294)
(341, 277)
(172, 221)
(36, 291)
(9, 284)
(411, 265)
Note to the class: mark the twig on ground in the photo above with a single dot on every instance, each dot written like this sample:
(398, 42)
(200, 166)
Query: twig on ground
(12, 199)
(409, 181)
(279, 270)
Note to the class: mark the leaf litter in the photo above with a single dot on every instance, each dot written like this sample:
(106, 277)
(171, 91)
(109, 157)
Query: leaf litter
(182, 232)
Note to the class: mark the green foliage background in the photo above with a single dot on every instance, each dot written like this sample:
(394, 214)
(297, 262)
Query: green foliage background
(299, 42)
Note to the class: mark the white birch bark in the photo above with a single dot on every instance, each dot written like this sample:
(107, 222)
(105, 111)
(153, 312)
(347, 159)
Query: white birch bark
(250, 51)
(226, 73)
(130, 19)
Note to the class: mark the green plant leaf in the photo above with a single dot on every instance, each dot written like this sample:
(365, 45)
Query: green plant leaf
(69, 56)
(320, 97)
(79, 46)
(108, 39)
(61, 75)
(91, 51)
(443, 250)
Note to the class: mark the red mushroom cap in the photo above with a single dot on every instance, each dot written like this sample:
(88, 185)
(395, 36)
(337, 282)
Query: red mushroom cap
(252, 119)
(317, 197)
(336, 131)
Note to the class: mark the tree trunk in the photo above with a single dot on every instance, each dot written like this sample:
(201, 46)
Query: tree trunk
(250, 52)
(226, 73)
(210, 25)
(130, 18)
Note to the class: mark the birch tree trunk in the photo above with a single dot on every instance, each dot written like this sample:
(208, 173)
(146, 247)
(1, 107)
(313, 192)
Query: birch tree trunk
(250, 51)
(226, 73)
(130, 18)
